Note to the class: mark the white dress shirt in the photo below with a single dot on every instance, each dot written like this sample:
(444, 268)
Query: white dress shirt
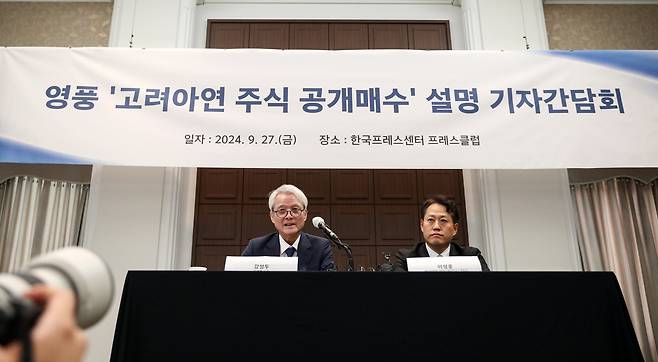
(434, 254)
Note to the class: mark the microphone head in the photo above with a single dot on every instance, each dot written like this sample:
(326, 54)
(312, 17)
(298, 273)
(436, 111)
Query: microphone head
(317, 221)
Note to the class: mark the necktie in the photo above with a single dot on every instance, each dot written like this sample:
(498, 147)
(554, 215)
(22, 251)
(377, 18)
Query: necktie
(290, 251)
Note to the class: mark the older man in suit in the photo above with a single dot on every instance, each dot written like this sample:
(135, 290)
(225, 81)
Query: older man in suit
(439, 223)
(288, 212)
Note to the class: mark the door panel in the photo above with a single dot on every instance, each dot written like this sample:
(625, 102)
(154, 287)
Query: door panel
(348, 36)
(388, 36)
(354, 224)
(395, 187)
(428, 36)
(309, 36)
(397, 224)
(351, 186)
(269, 35)
(259, 182)
(228, 35)
(316, 184)
(220, 186)
(218, 224)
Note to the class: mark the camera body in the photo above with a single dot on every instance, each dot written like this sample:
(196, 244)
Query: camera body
(77, 269)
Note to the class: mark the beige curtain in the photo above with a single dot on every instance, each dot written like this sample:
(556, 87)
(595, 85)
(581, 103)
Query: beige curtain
(618, 231)
(37, 216)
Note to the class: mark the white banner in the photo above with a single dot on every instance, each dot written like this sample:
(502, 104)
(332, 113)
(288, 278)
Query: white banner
(329, 109)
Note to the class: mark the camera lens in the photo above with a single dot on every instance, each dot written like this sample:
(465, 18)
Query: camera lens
(77, 269)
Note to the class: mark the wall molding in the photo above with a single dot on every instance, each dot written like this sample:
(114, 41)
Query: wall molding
(570, 219)
(91, 213)
(492, 219)
(485, 223)
(534, 24)
(175, 237)
(169, 212)
(472, 29)
(185, 23)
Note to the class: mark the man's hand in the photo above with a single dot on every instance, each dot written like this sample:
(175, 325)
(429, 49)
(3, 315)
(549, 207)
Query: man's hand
(56, 337)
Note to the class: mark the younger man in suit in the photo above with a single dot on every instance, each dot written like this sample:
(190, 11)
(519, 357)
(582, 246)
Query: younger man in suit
(439, 223)
(288, 212)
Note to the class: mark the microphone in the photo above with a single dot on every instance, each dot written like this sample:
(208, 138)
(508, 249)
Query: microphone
(319, 223)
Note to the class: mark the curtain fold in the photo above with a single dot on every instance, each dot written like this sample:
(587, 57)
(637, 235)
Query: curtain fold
(618, 231)
(37, 216)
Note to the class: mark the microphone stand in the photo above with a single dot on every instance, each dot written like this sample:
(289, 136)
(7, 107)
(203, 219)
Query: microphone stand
(348, 250)
(342, 245)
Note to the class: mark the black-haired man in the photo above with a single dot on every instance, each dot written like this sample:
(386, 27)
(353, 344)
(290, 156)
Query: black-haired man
(439, 223)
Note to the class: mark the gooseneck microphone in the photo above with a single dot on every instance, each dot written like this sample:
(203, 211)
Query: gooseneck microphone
(319, 223)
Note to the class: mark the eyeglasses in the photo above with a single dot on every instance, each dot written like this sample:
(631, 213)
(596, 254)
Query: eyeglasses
(294, 212)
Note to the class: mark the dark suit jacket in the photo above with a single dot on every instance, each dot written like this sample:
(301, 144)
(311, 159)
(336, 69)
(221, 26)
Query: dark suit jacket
(421, 251)
(314, 253)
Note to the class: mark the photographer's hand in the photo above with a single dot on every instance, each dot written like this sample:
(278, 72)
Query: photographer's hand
(56, 337)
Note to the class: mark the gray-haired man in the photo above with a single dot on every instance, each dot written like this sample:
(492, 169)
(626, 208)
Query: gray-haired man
(288, 212)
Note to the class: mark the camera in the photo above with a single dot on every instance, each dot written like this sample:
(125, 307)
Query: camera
(74, 268)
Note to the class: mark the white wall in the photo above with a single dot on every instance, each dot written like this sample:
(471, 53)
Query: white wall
(137, 218)
(538, 232)
(122, 226)
(152, 23)
(141, 217)
(522, 218)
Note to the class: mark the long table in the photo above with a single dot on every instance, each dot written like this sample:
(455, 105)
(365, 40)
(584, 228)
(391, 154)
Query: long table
(272, 316)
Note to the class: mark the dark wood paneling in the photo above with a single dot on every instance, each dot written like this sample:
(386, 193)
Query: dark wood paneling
(397, 224)
(348, 36)
(228, 35)
(395, 187)
(256, 222)
(428, 36)
(259, 182)
(309, 36)
(351, 186)
(214, 257)
(450, 184)
(220, 186)
(346, 199)
(388, 36)
(354, 224)
(269, 35)
(218, 225)
(446, 182)
(316, 184)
